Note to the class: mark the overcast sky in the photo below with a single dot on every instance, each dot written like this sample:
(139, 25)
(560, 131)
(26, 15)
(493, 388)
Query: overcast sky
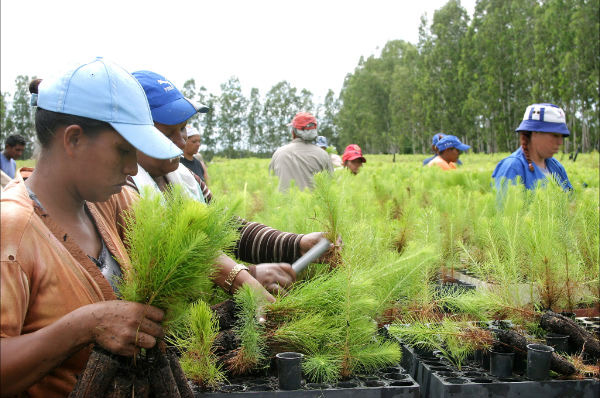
(312, 44)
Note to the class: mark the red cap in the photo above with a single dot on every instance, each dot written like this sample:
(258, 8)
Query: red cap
(352, 152)
(304, 121)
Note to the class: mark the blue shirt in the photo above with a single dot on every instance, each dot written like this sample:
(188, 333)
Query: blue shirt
(9, 166)
(516, 165)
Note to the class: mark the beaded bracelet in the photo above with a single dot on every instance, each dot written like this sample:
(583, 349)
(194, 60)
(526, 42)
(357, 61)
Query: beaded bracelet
(233, 274)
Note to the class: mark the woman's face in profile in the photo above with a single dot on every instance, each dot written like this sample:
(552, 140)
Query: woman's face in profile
(102, 163)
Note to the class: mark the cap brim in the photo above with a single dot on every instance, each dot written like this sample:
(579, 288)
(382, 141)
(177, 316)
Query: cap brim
(177, 111)
(543, 127)
(148, 139)
(353, 157)
(463, 147)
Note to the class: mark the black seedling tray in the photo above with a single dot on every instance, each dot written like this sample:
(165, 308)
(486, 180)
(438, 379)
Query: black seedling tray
(393, 382)
(440, 379)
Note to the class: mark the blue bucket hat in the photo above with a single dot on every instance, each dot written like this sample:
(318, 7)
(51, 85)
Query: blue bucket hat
(322, 141)
(167, 104)
(451, 141)
(104, 91)
(545, 118)
(436, 138)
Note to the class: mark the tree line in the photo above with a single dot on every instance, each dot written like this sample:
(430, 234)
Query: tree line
(470, 77)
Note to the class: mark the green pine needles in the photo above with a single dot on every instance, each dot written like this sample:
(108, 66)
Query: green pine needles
(195, 337)
(251, 353)
(173, 242)
(454, 339)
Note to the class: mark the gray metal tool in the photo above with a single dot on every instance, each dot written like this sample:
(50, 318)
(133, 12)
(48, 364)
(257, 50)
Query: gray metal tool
(311, 255)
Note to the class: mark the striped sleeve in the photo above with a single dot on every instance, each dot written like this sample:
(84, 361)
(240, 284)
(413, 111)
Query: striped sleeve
(259, 243)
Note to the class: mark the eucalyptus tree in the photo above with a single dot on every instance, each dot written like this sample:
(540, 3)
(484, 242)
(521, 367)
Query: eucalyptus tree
(586, 55)
(6, 126)
(231, 119)
(197, 95)
(326, 115)
(254, 121)
(406, 121)
(281, 104)
(363, 118)
(210, 137)
(441, 49)
(21, 114)
(555, 67)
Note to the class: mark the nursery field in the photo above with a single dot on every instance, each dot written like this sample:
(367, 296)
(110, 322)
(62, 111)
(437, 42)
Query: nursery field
(436, 271)
(410, 235)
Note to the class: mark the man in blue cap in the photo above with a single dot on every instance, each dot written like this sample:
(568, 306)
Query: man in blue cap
(271, 250)
(449, 148)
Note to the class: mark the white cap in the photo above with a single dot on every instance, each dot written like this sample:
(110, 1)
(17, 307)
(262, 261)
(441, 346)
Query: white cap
(190, 130)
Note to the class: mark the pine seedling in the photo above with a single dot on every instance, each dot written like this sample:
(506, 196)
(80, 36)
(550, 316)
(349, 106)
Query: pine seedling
(328, 203)
(195, 338)
(251, 353)
(454, 339)
(322, 368)
(173, 242)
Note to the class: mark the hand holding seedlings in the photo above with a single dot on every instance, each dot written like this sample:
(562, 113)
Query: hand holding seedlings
(275, 277)
(123, 327)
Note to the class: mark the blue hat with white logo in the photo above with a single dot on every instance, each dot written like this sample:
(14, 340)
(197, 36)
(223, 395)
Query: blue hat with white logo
(545, 118)
(167, 104)
(451, 141)
(322, 141)
(102, 90)
(437, 137)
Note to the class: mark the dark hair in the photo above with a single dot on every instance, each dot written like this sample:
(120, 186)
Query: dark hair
(14, 140)
(46, 122)
(525, 137)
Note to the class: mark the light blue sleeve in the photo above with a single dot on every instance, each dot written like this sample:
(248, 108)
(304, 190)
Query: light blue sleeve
(507, 170)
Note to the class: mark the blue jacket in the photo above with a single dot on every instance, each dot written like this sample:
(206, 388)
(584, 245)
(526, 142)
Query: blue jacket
(516, 165)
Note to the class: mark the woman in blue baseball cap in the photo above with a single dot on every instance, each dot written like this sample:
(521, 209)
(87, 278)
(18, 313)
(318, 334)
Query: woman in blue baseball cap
(270, 249)
(61, 232)
(541, 132)
(449, 148)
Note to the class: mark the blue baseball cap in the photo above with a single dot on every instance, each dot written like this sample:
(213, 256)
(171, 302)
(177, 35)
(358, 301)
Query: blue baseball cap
(322, 141)
(545, 118)
(104, 91)
(436, 138)
(451, 141)
(167, 104)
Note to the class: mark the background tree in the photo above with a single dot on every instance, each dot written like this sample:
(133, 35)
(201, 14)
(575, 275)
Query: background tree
(21, 114)
(255, 124)
(6, 125)
(210, 138)
(231, 119)
(326, 116)
(281, 104)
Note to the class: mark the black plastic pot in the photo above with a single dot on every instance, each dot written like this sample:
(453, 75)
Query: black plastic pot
(501, 363)
(538, 361)
(485, 359)
(289, 370)
(560, 342)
